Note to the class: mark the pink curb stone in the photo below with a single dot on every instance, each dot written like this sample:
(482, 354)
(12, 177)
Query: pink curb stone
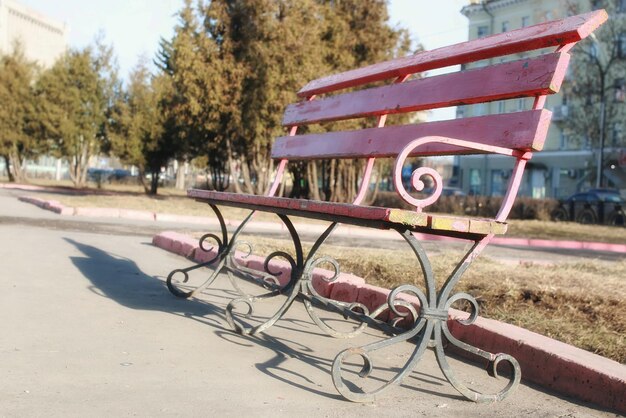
(166, 240)
(202, 256)
(184, 245)
(373, 297)
(550, 363)
(344, 291)
(320, 281)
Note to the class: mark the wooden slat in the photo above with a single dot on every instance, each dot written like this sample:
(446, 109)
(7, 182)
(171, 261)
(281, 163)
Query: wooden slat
(548, 34)
(528, 77)
(524, 131)
(355, 214)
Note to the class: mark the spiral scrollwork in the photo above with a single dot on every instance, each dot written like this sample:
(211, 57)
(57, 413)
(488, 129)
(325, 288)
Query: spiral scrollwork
(472, 302)
(417, 177)
(230, 318)
(310, 268)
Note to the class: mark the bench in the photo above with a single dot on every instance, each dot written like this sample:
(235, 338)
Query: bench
(516, 135)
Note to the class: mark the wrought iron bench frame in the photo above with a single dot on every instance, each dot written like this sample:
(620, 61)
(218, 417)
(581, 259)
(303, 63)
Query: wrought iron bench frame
(516, 135)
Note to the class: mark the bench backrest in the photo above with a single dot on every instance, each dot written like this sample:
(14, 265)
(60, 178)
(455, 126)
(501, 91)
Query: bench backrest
(521, 132)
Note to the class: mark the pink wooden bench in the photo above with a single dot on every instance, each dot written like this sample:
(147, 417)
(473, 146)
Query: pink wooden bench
(517, 135)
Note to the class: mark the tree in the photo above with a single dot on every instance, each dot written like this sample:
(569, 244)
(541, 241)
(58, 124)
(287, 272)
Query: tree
(236, 64)
(356, 33)
(17, 113)
(595, 95)
(74, 98)
(136, 125)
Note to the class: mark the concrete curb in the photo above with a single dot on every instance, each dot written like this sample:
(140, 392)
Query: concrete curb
(549, 363)
(57, 207)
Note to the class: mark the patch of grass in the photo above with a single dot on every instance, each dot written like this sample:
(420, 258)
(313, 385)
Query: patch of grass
(582, 303)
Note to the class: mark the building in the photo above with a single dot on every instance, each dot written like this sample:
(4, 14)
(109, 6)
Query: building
(566, 165)
(44, 40)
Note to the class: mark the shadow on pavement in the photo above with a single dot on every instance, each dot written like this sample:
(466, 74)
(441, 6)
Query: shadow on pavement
(120, 279)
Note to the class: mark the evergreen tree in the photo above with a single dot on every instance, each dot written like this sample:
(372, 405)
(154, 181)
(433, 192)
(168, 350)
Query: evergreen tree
(17, 113)
(135, 128)
(74, 98)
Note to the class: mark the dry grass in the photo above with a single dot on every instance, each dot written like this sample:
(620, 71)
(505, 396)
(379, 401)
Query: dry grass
(582, 303)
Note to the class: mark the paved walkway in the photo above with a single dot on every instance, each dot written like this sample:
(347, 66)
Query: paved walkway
(89, 329)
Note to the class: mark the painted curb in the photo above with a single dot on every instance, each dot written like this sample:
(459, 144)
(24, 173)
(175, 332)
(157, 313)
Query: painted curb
(560, 367)
(57, 207)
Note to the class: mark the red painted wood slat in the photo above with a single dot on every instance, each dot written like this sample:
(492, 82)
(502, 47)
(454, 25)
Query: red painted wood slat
(313, 209)
(523, 78)
(548, 34)
(524, 131)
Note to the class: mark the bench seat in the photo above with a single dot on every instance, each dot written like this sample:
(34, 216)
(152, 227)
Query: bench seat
(383, 218)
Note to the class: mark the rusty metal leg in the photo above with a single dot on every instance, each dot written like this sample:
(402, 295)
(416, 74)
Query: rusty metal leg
(224, 248)
(427, 331)
(445, 302)
(291, 289)
(311, 296)
(420, 332)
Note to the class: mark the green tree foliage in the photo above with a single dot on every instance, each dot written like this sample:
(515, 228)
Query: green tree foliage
(74, 98)
(136, 125)
(236, 64)
(599, 79)
(17, 113)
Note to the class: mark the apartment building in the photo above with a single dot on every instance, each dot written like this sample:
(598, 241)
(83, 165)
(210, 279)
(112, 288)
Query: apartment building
(42, 38)
(567, 164)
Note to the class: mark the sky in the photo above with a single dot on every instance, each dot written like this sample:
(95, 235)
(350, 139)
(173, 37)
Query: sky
(134, 27)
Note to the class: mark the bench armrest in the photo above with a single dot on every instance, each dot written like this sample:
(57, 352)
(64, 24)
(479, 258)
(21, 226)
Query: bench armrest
(418, 184)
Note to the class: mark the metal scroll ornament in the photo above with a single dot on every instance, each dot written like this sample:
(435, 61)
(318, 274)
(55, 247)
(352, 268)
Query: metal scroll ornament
(416, 177)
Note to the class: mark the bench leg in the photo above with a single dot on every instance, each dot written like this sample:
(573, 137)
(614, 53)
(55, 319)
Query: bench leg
(291, 289)
(301, 287)
(427, 331)
(224, 258)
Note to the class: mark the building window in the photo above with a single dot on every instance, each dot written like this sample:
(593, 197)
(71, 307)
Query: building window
(617, 134)
(480, 109)
(483, 31)
(525, 21)
(621, 45)
(497, 183)
(620, 90)
(564, 141)
(474, 181)
(501, 107)
(505, 26)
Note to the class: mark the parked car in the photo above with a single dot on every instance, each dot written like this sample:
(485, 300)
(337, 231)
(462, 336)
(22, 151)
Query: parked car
(604, 206)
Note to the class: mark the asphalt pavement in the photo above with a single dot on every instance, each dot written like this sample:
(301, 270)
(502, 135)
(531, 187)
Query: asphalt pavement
(89, 329)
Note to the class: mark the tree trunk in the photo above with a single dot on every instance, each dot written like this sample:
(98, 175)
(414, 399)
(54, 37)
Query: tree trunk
(154, 182)
(8, 168)
(245, 174)
(16, 167)
(232, 166)
(142, 179)
(312, 179)
(180, 175)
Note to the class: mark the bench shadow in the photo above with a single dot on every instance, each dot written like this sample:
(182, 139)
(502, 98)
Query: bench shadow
(121, 280)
